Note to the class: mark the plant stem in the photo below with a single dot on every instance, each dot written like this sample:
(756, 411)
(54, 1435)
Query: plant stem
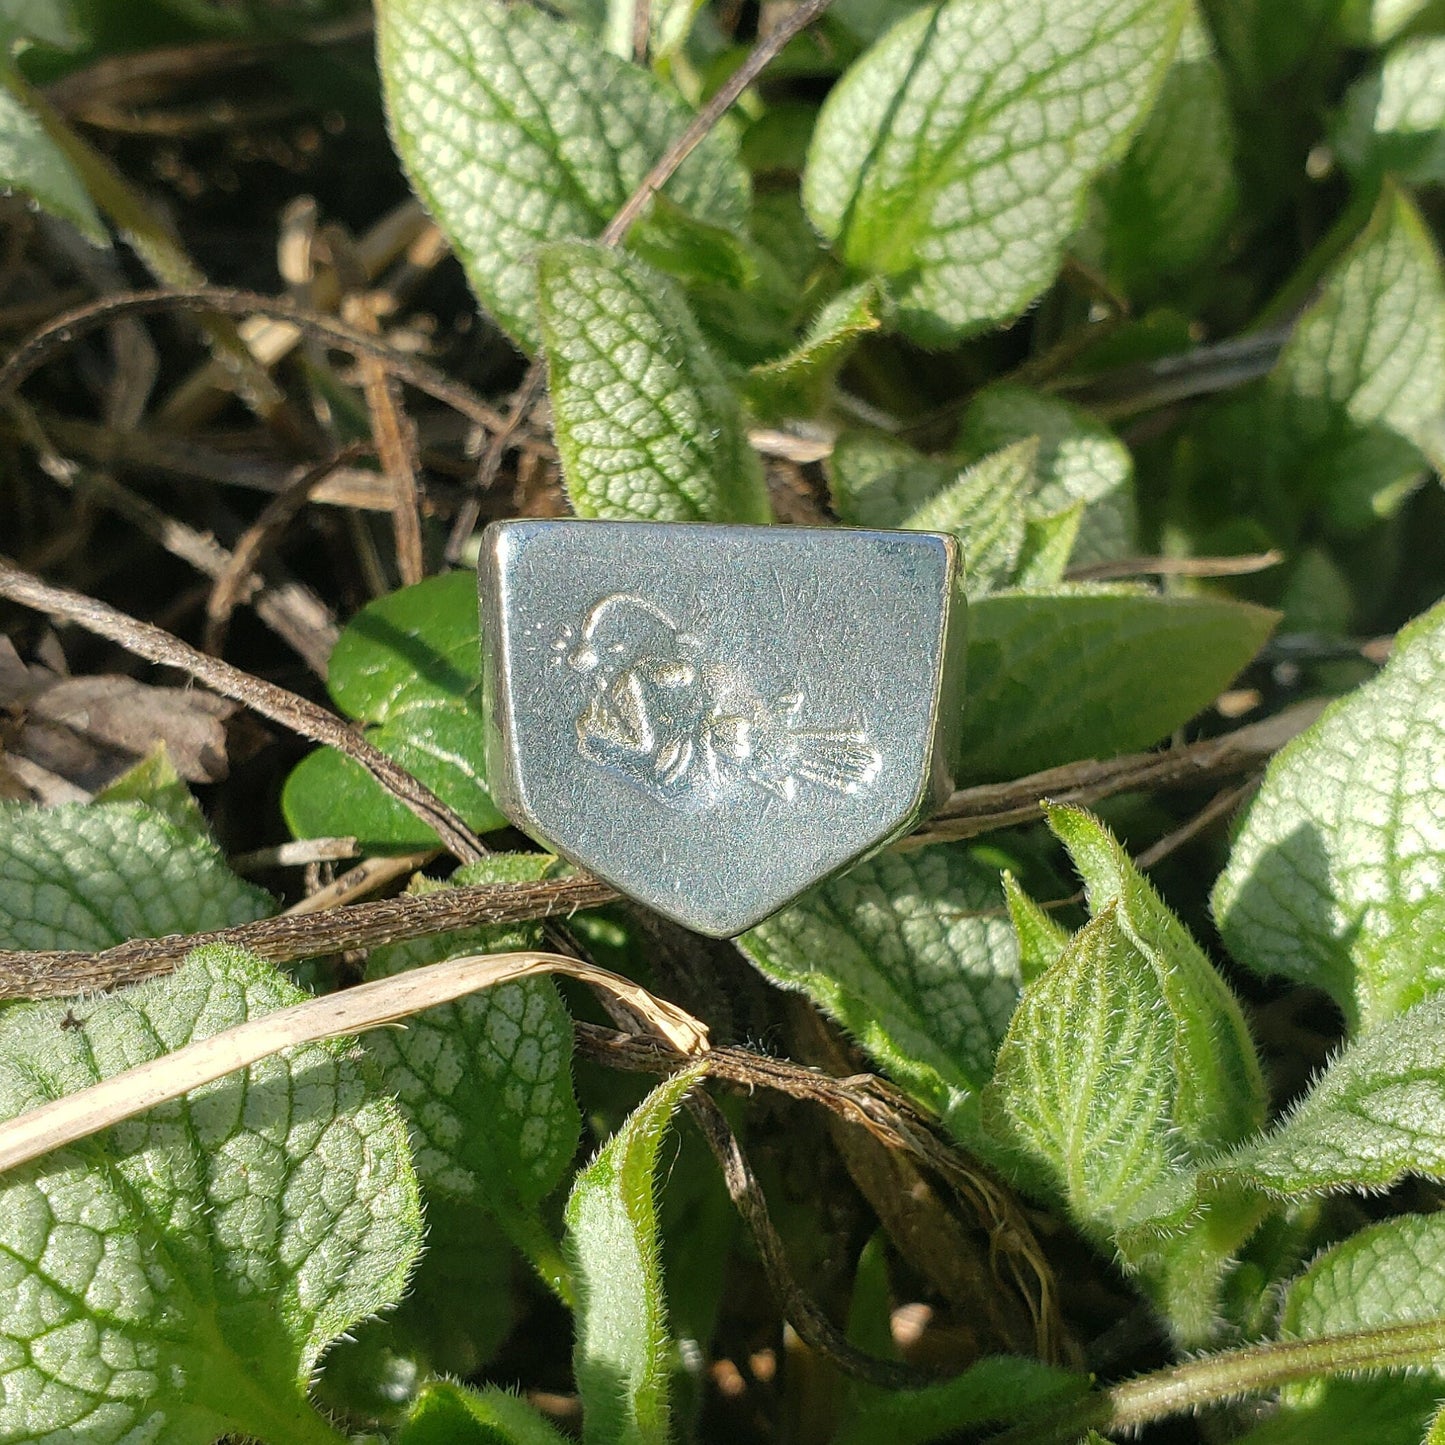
(1253, 1370)
(525, 1229)
(1260, 1368)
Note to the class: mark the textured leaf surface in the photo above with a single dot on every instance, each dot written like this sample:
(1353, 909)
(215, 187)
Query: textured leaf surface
(518, 129)
(985, 509)
(1128, 1058)
(486, 1081)
(1170, 198)
(31, 163)
(92, 876)
(647, 422)
(894, 952)
(1391, 1273)
(1337, 878)
(622, 1356)
(1377, 1112)
(1092, 672)
(176, 1277)
(877, 481)
(1079, 460)
(953, 158)
(1128, 1063)
(1394, 118)
(409, 666)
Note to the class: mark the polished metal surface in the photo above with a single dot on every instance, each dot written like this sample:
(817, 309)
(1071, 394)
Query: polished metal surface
(714, 718)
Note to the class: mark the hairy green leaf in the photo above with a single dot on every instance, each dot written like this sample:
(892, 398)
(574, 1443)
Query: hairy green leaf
(1079, 460)
(648, 424)
(518, 129)
(877, 481)
(985, 509)
(1169, 200)
(1393, 119)
(1377, 1112)
(999, 1390)
(1092, 672)
(954, 157)
(797, 383)
(1391, 1273)
(409, 666)
(89, 877)
(1337, 878)
(486, 1081)
(448, 1414)
(176, 1277)
(1042, 939)
(907, 952)
(622, 1355)
(155, 782)
(31, 163)
(1128, 1063)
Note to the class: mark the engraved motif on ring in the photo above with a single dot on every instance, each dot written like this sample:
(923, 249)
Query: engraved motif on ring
(663, 711)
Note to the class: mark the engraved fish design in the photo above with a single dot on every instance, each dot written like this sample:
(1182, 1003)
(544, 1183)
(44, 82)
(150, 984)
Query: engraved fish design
(690, 729)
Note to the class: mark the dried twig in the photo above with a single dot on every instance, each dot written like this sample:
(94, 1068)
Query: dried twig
(352, 1011)
(297, 713)
(230, 584)
(814, 1328)
(63, 331)
(301, 935)
(968, 814)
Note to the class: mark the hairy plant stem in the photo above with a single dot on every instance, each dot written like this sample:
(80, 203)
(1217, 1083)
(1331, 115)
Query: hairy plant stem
(1219, 1378)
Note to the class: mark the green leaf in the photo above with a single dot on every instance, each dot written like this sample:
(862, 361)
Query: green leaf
(648, 425)
(31, 163)
(1360, 387)
(907, 951)
(998, 1390)
(448, 1414)
(1392, 1273)
(953, 158)
(623, 1355)
(1092, 672)
(518, 130)
(416, 645)
(1221, 1096)
(1394, 118)
(877, 481)
(1169, 200)
(1374, 22)
(1048, 544)
(89, 877)
(486, 1082)
(1128, 1063)
(1376, 1113)
(1079, 460)
(1083, 1095)
(797, 384)
(1042, 940)
(176, 1277)
(1389, 1274)
(1336, 878)
(984, 509)
(155, 782)
(409, 665)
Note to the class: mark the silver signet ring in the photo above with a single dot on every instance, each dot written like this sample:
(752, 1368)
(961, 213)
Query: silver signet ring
(714, 718)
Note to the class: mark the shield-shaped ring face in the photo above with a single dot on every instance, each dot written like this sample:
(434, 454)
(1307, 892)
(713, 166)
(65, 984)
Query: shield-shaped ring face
(714, 718)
